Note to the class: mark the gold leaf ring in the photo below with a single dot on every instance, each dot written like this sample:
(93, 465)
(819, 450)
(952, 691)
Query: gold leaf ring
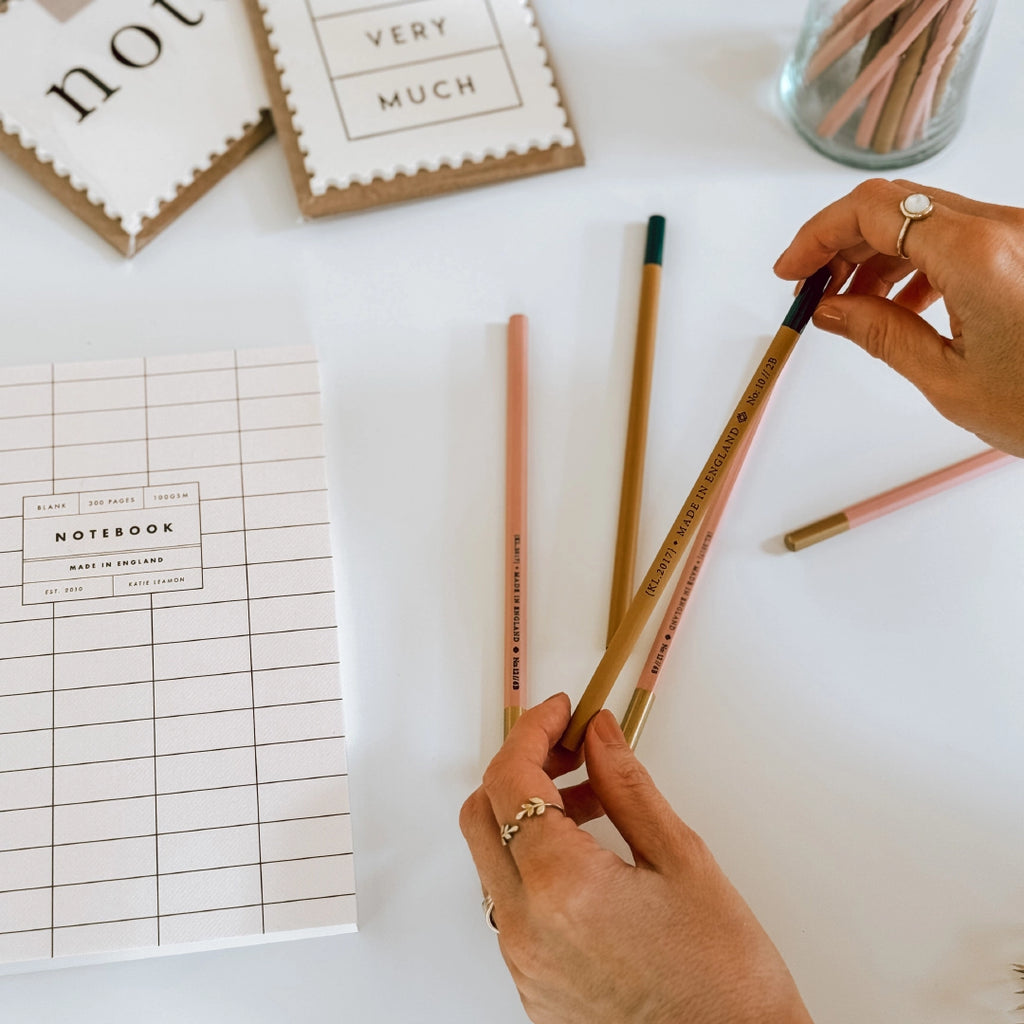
(533, 808)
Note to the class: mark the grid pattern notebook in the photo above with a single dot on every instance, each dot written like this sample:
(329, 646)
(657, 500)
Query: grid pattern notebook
(172, 752)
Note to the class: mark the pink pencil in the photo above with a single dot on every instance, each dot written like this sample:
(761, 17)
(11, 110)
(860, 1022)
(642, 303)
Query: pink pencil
(889, 55)
(643, 696)
(854, 28)
(515, 522)
(906, 494)
(873, 110)
(950, 24)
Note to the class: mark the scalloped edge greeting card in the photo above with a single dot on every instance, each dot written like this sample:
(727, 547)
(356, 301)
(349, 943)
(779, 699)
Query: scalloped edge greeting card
(129, 110)
(377, 102)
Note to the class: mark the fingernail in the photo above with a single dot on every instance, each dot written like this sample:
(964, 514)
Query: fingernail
(829, 318)
(606, 728)
(553, 699)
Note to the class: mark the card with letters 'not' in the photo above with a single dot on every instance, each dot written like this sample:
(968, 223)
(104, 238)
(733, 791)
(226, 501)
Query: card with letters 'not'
(172, 746)
(129, 111)
(381, 101)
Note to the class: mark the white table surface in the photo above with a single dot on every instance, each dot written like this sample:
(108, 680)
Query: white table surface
(844, 726)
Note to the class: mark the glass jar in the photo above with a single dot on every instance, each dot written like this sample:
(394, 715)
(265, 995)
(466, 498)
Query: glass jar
(883, 83)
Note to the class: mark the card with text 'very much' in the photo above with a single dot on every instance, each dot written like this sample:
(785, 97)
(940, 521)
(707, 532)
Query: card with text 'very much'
(378, 102)
(129, 110)
(172, 744)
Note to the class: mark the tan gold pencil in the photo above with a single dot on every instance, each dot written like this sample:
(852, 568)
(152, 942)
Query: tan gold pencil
(636, 431)
(694, 509)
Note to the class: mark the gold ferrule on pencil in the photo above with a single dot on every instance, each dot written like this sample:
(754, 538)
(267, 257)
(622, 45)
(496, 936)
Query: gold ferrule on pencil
(512, 716)
(822, 529)
(635, 718)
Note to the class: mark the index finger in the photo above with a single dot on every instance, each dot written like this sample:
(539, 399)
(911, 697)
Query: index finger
(963, 204)
(868, 221)
(516, 777)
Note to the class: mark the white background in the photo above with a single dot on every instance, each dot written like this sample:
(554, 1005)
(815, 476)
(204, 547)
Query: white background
(844, 725)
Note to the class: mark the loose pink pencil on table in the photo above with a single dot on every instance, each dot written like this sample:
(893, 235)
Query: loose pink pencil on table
(643, 696)
(896, 498)
(515, 521)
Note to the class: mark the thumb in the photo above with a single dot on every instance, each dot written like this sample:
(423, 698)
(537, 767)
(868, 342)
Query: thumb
(894, 334)
(634, 805)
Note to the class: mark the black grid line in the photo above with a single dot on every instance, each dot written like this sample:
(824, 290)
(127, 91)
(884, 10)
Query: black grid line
(184, 469)
(186, 871)
(252, 529)
(166, 718)
(252, 681)
(53, 680)
(191, 640)
(159, 373)
(187, 913)
(173, 405)
(165, 679)
(192, 831)
(177, 753)
(62, 445)
(152, 670)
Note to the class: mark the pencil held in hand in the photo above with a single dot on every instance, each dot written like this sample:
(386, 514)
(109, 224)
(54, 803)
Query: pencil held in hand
(515, 521)
(896, 498)
(636, 432)
(643, 696)
(691, 515)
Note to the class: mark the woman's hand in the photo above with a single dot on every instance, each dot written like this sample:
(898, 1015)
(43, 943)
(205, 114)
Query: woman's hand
(590, 938)
(971, 255)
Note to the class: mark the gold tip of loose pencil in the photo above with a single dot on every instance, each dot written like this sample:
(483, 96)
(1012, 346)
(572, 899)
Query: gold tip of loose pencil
(830, 526)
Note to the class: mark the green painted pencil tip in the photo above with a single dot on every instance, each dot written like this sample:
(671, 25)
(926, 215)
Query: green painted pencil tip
(655, 239)
(807, 300)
